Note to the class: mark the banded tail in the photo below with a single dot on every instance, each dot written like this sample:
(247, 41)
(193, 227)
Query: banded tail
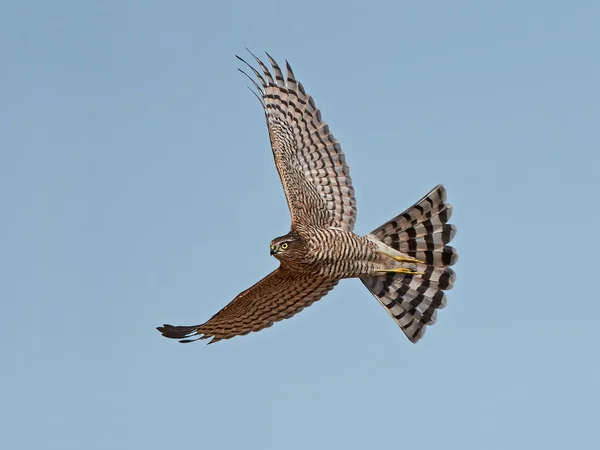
(422, 232)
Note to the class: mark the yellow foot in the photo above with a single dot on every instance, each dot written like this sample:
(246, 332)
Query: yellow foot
(404, 258)
(401, 270)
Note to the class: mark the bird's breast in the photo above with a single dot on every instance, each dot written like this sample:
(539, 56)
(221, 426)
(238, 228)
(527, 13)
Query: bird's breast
(337, 253)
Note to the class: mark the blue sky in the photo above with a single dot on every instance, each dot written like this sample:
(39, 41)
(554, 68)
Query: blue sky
(137, 187)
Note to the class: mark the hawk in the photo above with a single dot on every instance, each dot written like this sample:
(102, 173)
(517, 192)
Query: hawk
(404, 262)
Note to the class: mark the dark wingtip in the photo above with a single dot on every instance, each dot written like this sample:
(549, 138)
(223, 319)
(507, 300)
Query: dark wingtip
(269, 56)
(163, 328)
(248, 50)
(178, 332)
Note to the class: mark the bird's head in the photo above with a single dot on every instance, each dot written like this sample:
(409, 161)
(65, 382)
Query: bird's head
(287, 246)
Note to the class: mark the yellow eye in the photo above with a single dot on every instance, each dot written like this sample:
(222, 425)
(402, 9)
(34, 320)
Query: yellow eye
(284, 246)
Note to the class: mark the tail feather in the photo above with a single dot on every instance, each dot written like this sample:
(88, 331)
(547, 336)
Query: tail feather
(422, 232)
(431, 205)
(426, 228)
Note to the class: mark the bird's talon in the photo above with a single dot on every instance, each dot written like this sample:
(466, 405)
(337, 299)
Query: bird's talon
(401, 270)
(404, 259)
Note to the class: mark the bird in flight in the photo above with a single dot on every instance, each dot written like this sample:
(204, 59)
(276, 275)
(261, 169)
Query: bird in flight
(404, 262)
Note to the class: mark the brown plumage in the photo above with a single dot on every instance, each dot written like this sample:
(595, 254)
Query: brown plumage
(404, 263)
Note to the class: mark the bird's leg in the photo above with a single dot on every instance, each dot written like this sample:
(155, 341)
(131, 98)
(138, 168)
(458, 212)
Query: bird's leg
(403, 258)
(400, 270)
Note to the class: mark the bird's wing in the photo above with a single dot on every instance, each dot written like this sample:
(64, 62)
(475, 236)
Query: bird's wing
(278, 296)
(310, 161)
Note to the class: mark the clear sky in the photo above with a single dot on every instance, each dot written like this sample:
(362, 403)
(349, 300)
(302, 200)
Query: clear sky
(137, 187)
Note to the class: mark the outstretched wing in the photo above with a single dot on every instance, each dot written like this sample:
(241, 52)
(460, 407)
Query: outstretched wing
(278, 296)
(310, 161)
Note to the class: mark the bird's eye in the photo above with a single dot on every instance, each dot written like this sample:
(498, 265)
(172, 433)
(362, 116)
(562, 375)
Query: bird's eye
(284, 246)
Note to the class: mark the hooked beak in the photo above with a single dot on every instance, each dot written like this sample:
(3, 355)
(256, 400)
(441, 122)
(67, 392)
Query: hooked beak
(272, 252)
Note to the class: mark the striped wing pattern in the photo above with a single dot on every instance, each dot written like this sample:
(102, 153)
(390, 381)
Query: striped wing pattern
(278, 296)
(422, 232)
(312, 167)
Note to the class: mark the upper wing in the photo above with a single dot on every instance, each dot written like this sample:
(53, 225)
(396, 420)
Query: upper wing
(278, 296)
(310, 161)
